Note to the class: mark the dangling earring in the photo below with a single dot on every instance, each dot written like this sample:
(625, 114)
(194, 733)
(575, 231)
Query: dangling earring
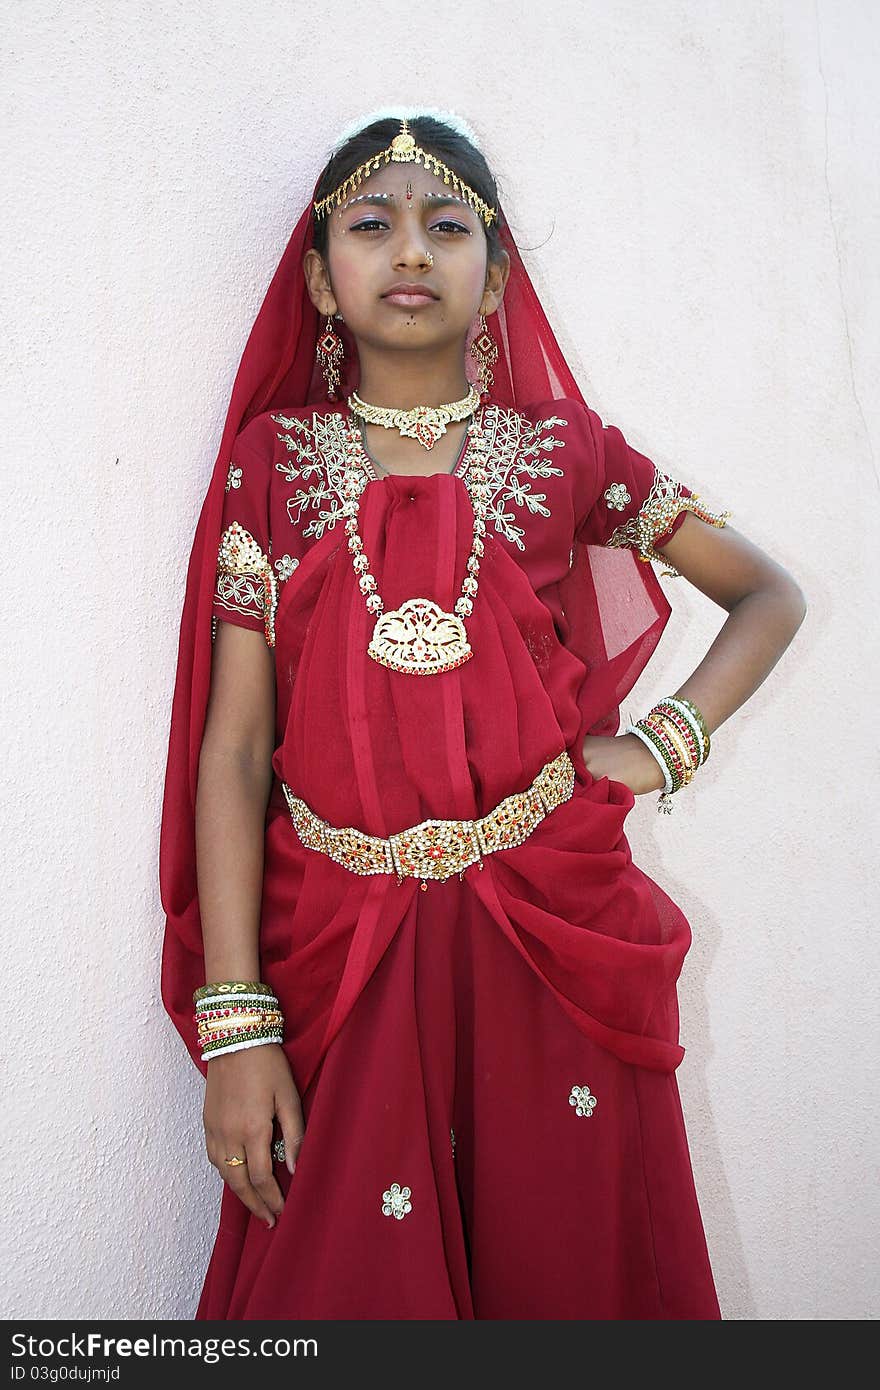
(329, 354)
(484, 351)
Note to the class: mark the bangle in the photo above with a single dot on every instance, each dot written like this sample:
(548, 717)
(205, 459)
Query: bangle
(215, 1044)
(235, 1021)
(655, 754)
(231, 1035)
(690, 712)
(677, 737)
(685, 729)
(232, 987)
(687, 760)
(659, 735)
(237, 1047)
(222, 1001)
(234, 1014)
(215, 1017)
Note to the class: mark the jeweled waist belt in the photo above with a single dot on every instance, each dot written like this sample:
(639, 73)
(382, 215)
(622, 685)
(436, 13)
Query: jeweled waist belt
(438, 848)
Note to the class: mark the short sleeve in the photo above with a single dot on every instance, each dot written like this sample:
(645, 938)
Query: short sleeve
(245, 589)
(638, 505)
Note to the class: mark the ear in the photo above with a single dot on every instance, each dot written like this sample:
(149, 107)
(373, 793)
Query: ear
(497, 272)
(318, 282)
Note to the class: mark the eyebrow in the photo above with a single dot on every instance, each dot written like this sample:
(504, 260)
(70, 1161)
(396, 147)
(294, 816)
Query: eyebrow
(427, 200)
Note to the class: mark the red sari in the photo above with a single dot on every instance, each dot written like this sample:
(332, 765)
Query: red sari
(503, 1045)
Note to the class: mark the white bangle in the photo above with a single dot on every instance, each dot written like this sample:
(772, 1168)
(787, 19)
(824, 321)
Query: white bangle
(239, 1047)
(655, 754)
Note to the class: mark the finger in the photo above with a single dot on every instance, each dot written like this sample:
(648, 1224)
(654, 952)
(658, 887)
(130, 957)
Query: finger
(292, 1129)
(237, 1177)
(260, 1174)
(246, 1193)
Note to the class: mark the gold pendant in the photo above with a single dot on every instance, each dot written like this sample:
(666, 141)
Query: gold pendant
(424, 424)
(419, 639)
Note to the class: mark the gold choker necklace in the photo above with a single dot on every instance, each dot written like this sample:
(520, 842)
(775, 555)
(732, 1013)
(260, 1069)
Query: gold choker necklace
(426, 423)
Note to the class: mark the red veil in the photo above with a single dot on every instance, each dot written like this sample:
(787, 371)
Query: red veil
(613, 603)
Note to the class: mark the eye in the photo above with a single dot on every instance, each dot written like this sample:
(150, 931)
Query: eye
(370, 223)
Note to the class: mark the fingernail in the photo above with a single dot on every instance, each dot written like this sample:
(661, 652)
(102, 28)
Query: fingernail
(270, 1225)
(292, 1166)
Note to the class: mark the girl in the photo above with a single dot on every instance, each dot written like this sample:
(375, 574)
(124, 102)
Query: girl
(433, 997)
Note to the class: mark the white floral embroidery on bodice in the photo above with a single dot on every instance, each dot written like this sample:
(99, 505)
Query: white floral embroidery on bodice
(517, 459)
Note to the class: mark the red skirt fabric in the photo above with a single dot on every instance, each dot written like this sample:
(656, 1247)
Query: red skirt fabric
(474, 1008)
(533, 1211)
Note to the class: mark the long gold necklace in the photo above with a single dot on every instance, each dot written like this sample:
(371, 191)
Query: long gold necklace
(419, 638)
(426, 423)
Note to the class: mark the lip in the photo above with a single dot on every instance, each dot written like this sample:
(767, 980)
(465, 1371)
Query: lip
(403, 293)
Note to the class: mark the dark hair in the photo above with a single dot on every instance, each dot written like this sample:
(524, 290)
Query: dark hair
(434, 136)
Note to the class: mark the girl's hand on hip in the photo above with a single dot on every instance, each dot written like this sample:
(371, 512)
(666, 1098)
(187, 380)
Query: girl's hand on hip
(623, 759)
(243, 1094)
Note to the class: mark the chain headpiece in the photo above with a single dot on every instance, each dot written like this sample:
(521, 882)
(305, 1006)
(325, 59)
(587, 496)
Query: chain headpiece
(403, 150)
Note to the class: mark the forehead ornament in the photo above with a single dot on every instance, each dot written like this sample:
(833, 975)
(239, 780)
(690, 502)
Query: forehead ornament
(404, 150)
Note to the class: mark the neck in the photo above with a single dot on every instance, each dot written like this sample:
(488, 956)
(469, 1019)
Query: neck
(408, 378)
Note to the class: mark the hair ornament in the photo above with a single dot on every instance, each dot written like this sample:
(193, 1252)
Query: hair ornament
(403, 149)
(388, 113)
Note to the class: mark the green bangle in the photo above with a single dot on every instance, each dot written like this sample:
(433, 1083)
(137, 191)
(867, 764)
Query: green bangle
(671, 765)
(274, 1034)
(707, 742)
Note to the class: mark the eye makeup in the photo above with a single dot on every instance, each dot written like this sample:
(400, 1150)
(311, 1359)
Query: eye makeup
(369, 223)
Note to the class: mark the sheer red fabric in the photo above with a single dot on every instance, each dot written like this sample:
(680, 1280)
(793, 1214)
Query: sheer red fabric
(479, 1006)
(614, 625)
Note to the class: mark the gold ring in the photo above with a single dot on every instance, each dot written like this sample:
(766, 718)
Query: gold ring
(235, 1162)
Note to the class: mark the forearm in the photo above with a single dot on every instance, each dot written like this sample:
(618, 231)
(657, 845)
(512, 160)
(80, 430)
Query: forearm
(233, 793)
(754, 636)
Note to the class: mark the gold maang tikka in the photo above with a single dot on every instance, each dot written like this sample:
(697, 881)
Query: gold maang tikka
(403, 150)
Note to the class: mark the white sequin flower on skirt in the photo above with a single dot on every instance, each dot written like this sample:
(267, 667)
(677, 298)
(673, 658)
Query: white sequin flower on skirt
(581, 1099)
(395, 1202)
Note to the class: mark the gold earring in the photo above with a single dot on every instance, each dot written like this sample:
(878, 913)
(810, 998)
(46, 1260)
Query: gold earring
(484, 350)
(329, 354)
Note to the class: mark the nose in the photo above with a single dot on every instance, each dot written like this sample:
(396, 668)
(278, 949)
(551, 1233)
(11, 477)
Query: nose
(410, 249)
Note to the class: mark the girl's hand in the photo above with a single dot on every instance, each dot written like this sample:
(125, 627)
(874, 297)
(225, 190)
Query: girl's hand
(244, 1092)
(623, 759)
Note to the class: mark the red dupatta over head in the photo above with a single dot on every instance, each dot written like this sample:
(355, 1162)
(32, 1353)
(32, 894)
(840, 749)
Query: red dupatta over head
(614, 605)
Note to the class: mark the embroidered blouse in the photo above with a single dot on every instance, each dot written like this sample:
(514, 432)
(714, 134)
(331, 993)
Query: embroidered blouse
(556, 473)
